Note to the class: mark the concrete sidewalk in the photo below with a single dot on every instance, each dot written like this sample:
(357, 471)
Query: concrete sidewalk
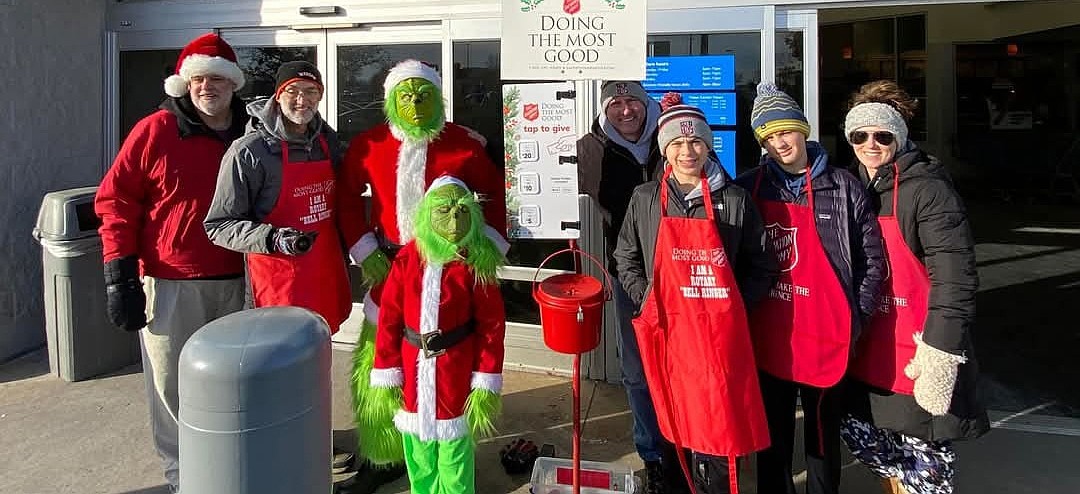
(93, 437)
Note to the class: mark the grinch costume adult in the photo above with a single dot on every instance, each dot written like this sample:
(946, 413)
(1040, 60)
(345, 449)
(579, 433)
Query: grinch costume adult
(439, 348)
(399, 160)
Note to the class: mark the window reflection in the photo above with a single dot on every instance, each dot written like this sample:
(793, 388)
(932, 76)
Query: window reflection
(260, 64)
(142, 74)
(361, 71)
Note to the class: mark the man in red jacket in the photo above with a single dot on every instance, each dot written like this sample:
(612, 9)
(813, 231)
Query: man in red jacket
(152, 203)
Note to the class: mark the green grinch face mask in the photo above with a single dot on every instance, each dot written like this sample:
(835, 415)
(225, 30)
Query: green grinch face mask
(450, 216)
(416, 101)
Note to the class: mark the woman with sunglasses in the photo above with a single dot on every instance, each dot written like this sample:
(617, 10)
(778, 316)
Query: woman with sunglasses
(913, 377)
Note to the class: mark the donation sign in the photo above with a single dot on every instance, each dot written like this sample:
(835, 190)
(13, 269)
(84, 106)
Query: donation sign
(573, 39)
(540, 132)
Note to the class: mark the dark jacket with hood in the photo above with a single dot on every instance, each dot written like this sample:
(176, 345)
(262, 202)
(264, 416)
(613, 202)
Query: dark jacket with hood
(845, 223)
(934, 224)
(250, 178)
(737, 220)
(608, 172)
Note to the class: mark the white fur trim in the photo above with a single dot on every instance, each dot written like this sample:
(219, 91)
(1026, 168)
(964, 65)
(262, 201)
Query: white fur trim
(445, 180)
(478, 137)
(199, 64)
(393, 377)
(500, 242)
(407, 70)
(444, 430)
(487, 381)
(411, 174)
(176, 86)
(363, 248)
(371, 310)
(426, 384)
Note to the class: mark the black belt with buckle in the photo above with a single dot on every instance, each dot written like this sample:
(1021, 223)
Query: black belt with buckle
(437, 342)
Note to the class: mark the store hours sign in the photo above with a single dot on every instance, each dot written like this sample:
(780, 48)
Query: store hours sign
(573, 39)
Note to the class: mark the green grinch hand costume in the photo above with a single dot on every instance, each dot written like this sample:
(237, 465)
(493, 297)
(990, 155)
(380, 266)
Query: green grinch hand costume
(437, 372)
(399, 160)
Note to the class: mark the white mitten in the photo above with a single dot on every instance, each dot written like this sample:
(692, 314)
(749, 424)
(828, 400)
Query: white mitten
(934, 372)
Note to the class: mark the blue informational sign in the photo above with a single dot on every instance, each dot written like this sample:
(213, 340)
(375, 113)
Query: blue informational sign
(705, 72)
(719, 107)
(724, 145)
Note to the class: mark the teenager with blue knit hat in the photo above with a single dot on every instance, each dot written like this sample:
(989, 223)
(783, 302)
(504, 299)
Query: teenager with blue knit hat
(775, 111)
(696, 221)
(823, 235)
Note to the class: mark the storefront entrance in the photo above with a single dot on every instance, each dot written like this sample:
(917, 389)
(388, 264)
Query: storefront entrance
(355, 58)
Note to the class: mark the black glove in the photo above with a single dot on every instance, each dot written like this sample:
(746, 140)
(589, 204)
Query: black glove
(290, 241)
(125, 300)
(518, 457)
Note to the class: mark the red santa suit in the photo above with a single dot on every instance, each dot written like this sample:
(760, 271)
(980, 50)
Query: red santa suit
(429, 298)
(399, 171)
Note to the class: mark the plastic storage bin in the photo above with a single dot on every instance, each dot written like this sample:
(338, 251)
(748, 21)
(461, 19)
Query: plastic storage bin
(82, 342)
(556, 476)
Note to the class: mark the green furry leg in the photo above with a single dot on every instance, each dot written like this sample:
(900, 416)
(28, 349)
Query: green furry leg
(380, 444)
(482, 408)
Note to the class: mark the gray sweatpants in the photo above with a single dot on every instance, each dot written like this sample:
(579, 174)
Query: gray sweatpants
(175, 309)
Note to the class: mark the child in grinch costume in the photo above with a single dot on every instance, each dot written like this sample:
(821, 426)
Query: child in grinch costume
(399, 159)
(439, 348)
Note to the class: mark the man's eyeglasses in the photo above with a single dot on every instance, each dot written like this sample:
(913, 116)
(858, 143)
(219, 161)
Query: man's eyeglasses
(310, 93)
(882, 137)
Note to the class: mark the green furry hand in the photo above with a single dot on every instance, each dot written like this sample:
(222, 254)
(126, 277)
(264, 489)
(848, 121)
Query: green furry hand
(380, 406)
(482, 408)
(375, 268)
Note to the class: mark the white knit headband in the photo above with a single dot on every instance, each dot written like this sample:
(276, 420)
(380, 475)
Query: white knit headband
(876, 114)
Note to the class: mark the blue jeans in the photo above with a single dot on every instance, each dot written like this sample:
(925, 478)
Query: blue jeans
(647, 438)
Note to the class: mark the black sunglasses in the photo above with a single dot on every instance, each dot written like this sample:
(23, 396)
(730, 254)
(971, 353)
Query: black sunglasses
(882, 137)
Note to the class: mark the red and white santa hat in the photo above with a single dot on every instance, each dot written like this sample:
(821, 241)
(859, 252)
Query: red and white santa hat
(409, 69)
(207, 54)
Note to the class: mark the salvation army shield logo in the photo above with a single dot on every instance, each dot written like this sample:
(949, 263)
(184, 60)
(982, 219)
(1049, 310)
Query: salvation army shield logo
(531, 111)
(784, 242)
(718, 257)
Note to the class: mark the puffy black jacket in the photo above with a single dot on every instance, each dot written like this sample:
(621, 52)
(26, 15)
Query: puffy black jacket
(737, 220)
(846, 225)
(934, 224)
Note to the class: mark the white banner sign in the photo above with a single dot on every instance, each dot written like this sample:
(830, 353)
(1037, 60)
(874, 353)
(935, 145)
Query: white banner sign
(573, 39)
(540, 131)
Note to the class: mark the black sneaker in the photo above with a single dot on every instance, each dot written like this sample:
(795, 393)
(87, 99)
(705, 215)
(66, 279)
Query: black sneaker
(654, 477)
(342, 461)
(368, 478)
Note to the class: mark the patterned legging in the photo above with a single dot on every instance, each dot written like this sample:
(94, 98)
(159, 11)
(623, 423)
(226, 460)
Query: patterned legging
(923, 467)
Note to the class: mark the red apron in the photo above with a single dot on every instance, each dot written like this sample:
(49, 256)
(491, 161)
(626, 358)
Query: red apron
(694, 341)
(886, 345)
(802, 330)
(316, 280)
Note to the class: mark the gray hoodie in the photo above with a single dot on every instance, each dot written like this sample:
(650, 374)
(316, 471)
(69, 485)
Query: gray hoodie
(249, 179)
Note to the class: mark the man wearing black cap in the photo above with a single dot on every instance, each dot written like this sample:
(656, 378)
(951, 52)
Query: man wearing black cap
(275, 200)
